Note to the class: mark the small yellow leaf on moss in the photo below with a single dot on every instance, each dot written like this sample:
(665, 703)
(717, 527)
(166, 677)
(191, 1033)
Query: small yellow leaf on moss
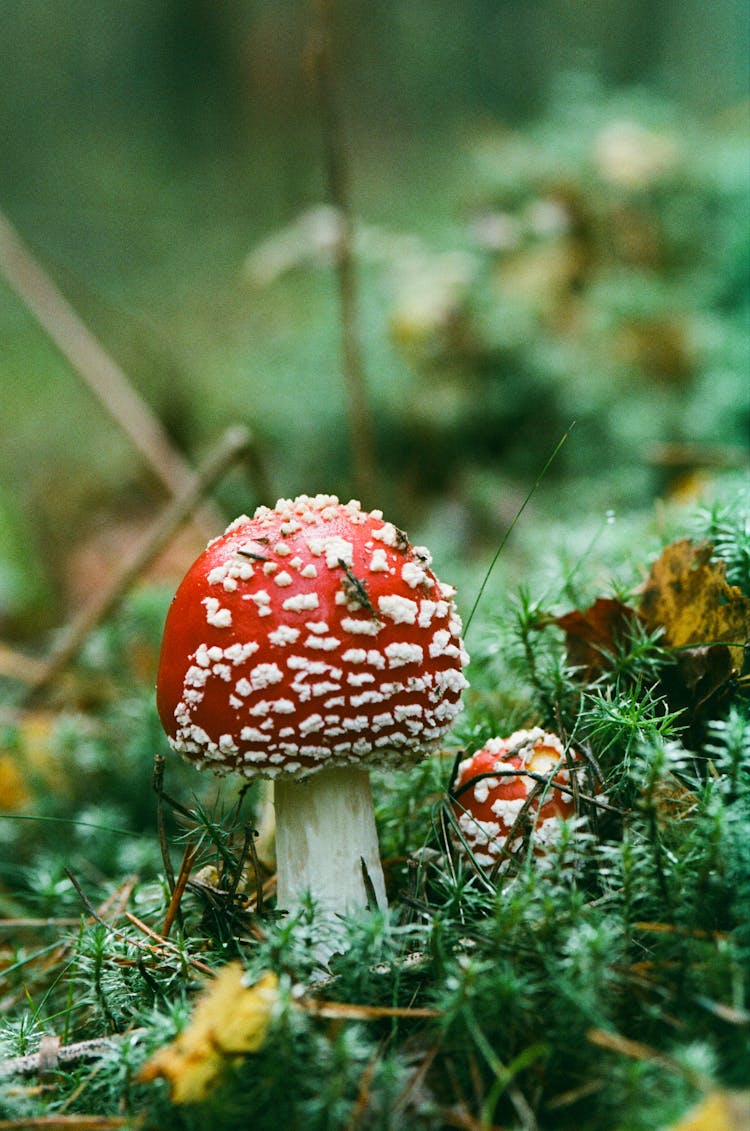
(27, 762)
(719, 1111)
(688, 595)
(704, 619)
(230, 1019)
(13, 792)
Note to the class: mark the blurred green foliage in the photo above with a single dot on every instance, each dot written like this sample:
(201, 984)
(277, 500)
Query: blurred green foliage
(604, 280)
(536, 249)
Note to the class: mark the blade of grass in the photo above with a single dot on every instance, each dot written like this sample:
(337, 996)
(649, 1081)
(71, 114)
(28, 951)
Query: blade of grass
(551, 459)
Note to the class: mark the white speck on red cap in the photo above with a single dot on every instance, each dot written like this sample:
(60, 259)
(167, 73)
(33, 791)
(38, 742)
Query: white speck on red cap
(283, 635)
(301, 602)
(216, 616)
(379, 562)
(401, 653)
(401, 610)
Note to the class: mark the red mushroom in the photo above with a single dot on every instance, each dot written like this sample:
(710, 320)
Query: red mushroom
(513, 785)
(306, 644)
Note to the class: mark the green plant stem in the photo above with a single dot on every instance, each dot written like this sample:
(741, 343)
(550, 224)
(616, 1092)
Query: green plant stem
(551, 459)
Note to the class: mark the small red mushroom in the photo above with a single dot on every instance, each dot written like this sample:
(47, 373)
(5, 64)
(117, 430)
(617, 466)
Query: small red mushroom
(513, 785)
(307, 644)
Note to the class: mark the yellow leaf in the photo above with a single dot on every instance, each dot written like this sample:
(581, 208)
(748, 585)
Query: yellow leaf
(719, 1111)
(27, 761)
(704, 619)
(688, 595)
(229, 1019)
(13, 792)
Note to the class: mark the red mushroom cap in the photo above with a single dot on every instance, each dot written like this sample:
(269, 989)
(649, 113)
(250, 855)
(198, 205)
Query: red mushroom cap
(310, 635)
(486, 807)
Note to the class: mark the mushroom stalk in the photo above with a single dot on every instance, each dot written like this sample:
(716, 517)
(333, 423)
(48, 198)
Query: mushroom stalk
(326, 843)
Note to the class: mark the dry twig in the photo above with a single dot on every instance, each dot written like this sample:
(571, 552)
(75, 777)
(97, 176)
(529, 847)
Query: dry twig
(360, 426)
(636, 1050)
(15, 665)
(95, 367)
(337, 1010)
(232, 446)
(179, 888)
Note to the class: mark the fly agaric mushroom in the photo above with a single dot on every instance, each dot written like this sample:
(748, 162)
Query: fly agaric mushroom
(306, 644)
(510, 786)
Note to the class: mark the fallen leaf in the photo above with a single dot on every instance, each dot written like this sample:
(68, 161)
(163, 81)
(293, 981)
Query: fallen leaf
(230, 1019)
(13, 792)
(687, 594)
(704, 618)
(719, 1111)
(591, 635)
(27, 762)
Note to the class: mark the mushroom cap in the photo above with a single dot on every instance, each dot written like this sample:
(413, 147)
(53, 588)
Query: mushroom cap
(486, 806)
(308, 636)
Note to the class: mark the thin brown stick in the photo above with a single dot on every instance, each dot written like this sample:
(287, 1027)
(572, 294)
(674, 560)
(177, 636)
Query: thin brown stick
(685, 932)
(233, 444)
(102, 375)
(15, 665)
(114, 906)
(181, 883)
(337, 1010)
(360, 423)
(196, 963)
(264, 892)
(136, 922)
(460, 1119)
(94, 913)
(636, 1050)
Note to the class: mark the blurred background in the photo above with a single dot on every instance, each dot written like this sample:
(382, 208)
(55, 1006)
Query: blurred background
(550, 205)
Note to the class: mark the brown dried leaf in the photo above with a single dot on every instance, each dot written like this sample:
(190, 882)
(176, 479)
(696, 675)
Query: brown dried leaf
(687, 594)
(591, 636)
(703, 617)
(229, 1019)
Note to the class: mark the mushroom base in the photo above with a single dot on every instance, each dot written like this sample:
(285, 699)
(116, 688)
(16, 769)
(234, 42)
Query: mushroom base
(327, 844)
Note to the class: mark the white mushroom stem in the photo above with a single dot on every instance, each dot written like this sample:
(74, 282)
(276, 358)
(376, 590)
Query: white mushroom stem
(326, 843)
